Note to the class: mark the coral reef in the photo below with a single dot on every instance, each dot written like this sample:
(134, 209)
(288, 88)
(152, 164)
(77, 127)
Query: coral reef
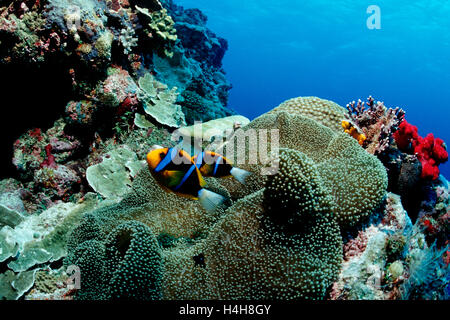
(356, 180)
(125, 265)
(410, 160)
(341, 203)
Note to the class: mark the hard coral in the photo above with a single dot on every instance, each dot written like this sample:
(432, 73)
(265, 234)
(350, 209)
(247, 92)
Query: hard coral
(430, 151)
(374, 122)
(295, 255)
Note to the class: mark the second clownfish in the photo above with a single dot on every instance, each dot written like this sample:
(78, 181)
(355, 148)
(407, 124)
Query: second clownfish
(212, 164)
(175, 171)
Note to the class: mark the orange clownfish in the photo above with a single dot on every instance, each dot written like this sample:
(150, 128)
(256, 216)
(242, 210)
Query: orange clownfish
(175, 171)
(353, 131)
(212, 164)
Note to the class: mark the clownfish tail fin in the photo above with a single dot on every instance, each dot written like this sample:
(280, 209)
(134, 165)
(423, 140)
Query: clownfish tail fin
(240, 174)
(210, 200)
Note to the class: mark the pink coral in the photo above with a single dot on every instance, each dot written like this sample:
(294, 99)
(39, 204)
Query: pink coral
(376, 122)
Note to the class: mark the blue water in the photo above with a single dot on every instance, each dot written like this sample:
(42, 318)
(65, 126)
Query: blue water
(285, 48)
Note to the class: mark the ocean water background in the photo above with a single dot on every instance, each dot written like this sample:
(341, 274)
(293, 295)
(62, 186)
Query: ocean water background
(286, 48)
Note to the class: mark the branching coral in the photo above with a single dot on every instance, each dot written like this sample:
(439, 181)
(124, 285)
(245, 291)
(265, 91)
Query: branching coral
(127, 39)
(376, 122)
(160, 27)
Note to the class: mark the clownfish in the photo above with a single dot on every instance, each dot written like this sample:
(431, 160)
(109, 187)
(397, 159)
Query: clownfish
(353, 131)
(212, 164)
(175, 172)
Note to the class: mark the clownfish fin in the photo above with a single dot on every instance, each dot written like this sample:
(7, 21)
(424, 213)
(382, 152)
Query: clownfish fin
(210, 200)
(201, 179)
(240, 174)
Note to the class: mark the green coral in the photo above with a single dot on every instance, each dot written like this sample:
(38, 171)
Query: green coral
(133, 254)
(160, 103)
(247, 256)
(112, 177)
(13, 286)
(89, 256)
(88, 229)
(355, 180)
(295, 195)
(45, 282)
(325, 112)
(282, 233)
(161, 27)
(9, 217)
(125, 265)
(52, 246)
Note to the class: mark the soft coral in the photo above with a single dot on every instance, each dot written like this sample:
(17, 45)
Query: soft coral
(430, 151)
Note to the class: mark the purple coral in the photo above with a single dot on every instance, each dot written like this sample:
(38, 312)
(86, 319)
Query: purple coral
(376, 121)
